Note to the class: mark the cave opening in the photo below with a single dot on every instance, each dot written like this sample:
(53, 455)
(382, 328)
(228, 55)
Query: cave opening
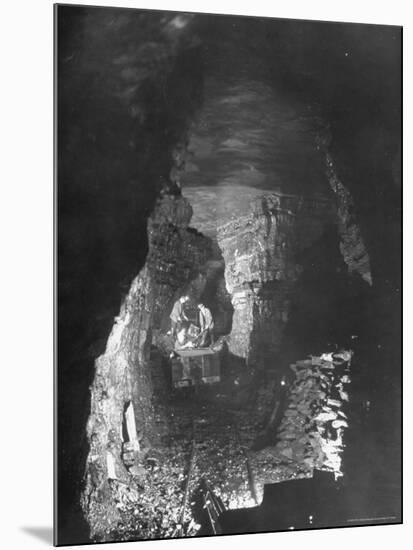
(242, 175)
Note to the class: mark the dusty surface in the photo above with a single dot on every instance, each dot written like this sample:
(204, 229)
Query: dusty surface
(210, 435)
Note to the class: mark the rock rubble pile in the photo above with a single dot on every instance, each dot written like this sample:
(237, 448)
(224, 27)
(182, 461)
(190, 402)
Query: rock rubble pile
(311, 433)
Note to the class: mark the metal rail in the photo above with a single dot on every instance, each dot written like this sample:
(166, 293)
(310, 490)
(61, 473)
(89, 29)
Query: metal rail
(188, 479)
(211, 503)
(251, 478)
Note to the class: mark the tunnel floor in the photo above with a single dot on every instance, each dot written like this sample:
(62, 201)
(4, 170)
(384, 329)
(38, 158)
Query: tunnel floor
(203, 434)
(208, 435)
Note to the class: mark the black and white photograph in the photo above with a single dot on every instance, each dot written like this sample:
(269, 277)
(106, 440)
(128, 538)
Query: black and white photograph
(228, 263)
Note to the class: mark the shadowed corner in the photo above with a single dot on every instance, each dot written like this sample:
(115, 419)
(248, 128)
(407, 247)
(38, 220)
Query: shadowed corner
(45, 534)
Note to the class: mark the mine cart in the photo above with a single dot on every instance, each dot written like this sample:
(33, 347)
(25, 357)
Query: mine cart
(193, 367)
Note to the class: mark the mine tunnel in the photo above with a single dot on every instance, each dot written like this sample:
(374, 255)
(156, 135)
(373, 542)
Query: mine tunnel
(252, 165)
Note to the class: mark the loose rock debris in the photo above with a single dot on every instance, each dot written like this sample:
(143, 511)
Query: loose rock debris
(211, 440)
(311, 433)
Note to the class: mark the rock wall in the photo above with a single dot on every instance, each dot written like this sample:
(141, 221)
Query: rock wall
(351, 241)
(122, 424)
(311, 434)
(259, 251)
(352, 245)
(129, 83)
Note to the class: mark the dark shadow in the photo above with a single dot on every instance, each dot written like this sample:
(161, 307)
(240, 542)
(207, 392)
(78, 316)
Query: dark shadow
(45, 534)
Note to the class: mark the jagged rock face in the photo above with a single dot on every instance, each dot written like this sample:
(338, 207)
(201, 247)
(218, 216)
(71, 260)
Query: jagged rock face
(351, 241)
(177, 258)
(257, 247)
(352, 245)
(176, 255)
(128, 84)
(311, 434)
(120, 378)
(260, 270)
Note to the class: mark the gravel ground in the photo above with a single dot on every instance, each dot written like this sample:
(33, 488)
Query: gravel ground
(152, 506)
(210, 435)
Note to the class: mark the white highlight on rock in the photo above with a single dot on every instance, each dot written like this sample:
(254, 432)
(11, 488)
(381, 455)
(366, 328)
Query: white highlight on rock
(110, 465)
(131, 427)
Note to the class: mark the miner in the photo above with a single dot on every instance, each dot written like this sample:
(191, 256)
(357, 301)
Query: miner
(206, 324)
(178, 315)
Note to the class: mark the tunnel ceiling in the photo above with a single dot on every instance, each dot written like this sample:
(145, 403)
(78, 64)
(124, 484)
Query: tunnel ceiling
(269, 87)
(248, 140)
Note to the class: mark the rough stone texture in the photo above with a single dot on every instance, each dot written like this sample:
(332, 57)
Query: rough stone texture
(222, 310)
(260, 270)
(311, 434)
(175, 257)
(178, 257)
(352, 245)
